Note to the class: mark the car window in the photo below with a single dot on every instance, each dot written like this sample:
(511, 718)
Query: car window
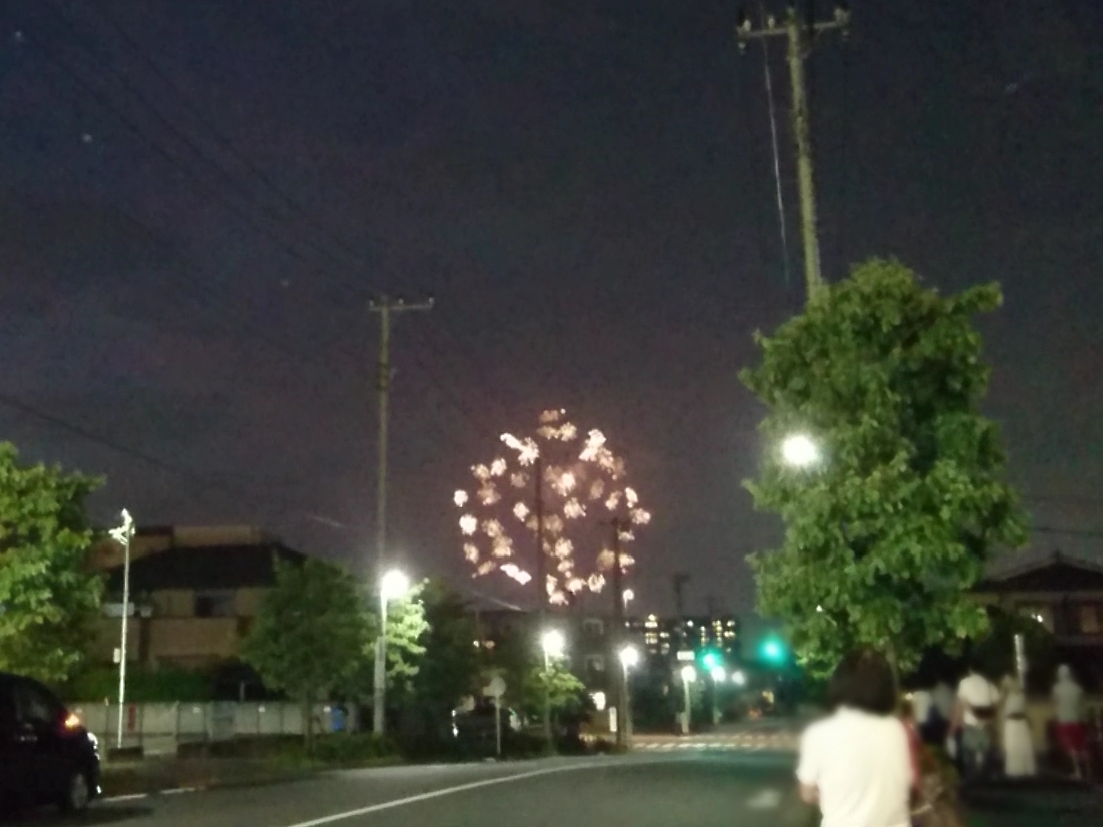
(34, 705)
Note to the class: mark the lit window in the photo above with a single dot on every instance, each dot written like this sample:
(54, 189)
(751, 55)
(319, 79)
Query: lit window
(1090, 619)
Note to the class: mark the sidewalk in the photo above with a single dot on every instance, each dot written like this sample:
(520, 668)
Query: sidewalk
(1039, 803)
(160, 775)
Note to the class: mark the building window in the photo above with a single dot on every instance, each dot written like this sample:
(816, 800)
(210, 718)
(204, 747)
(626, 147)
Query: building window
(213, 603)
(593, 627)
(1091, 620)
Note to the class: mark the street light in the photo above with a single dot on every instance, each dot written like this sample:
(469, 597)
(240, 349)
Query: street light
(629, 659)
(553, 643)
(393, 585)
(738, 678)
(718, 674)
(689, 675)
(800, 451)
(123, 535)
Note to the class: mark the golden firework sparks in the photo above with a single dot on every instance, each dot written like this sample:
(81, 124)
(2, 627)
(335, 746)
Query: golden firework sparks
(573, 509)
(577, 468)
(488, 494)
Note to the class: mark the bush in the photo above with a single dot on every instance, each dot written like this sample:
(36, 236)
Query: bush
(164, 684)
(350, 749)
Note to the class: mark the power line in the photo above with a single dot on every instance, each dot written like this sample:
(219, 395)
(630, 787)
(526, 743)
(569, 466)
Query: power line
(257, 172)
(149, 459)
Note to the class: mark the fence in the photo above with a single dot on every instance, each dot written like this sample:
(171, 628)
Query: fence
(158, 728)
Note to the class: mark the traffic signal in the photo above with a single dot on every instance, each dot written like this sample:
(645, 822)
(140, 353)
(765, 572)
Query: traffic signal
(710, 659)
(773, 651)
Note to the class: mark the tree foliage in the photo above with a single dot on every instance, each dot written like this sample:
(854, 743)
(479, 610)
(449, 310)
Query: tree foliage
(47, 592)
(893, 524)
(449, 665)
(566, 693)
(309, 631)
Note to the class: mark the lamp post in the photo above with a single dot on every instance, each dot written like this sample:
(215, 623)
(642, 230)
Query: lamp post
(553, 644)
(718, 675)
(122, 535)
(689, 675)
(629, 659)
(393, 585)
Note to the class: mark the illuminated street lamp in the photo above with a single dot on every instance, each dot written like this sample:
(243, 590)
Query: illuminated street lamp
(689, 675)
(629, 659)
(718, 674)
(554, 644)
(738, 678)
(393, 586)
(123, 535)
(800, 451)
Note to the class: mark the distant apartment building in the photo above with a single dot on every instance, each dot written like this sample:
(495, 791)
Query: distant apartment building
(666, 636)
(194, 592)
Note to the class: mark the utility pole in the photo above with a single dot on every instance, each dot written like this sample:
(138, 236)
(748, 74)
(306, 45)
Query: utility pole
(621, 695)
(679, 579)
(542, 588)
(801, 36)
(123, 535)
(384, 306)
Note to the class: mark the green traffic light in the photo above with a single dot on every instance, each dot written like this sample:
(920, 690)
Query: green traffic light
(710, 660)
(773, 650)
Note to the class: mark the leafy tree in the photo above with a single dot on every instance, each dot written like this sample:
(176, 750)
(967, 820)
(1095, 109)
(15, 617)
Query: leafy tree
(405, 626)
(47, 592)
(448, 670)
(308, 634)
(892, 523)
(566, 693)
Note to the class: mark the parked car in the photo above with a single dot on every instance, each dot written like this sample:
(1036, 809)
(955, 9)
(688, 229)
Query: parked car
(46, 754)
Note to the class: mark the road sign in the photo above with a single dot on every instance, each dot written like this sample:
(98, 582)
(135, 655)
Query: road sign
(496, 688)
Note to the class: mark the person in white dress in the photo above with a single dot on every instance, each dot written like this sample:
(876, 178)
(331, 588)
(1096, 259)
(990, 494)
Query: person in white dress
(1018, 747)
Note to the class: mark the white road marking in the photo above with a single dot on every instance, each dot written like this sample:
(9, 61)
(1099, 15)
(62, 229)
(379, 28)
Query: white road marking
(131, 797)
(765, 800)
(474, 785)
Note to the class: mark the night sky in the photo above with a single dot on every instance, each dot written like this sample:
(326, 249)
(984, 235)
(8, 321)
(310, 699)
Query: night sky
(199, 197)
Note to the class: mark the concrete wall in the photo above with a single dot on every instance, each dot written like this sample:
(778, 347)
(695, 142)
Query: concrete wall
(159, 728)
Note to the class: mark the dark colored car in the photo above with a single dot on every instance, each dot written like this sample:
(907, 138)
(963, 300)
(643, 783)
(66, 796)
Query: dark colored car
(46, 755)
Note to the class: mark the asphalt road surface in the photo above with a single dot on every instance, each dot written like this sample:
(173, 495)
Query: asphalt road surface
(700, 789)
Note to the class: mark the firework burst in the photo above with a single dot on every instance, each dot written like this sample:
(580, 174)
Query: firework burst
(583, 490)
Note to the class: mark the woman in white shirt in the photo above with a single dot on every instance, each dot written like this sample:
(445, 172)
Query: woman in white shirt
(857, 763)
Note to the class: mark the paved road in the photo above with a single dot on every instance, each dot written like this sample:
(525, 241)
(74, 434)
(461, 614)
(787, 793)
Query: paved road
(702, 789)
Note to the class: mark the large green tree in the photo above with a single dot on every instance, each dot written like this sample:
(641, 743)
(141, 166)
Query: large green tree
(891, 521)
(309, 633)
(47, 592)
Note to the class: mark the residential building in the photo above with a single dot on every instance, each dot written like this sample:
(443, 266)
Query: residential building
(1065, 595)
(193, 593)
(666, 636)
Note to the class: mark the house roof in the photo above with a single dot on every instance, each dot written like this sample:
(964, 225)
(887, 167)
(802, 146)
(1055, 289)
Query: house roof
(205, 568)
(1058, 573)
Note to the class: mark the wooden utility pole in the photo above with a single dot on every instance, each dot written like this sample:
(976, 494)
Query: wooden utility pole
(679, 579)
(384, 306)
(801, 36)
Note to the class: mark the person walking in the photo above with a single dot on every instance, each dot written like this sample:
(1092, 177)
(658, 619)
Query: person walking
(1018, 747)
(856, 764)
(974, 718)
(1068, 702)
